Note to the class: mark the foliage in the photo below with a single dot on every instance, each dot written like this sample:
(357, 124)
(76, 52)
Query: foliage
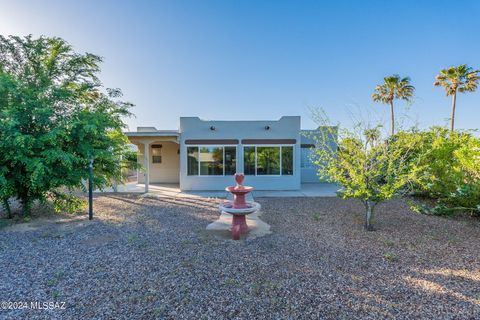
(366, 166)
(437, 210)
(393, 87)
(131, 157)
(461, 78)
(453, 79)
(63, 202)
(55, 117)
(447, 168)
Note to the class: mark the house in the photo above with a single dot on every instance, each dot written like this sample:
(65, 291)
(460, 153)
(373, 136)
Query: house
(203, 155)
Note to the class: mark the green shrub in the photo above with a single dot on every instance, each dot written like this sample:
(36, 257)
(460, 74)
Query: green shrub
(446, 167)
(64, 202)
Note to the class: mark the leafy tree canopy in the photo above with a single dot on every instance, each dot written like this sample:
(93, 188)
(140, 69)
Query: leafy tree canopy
(366, 166)
(55, 116)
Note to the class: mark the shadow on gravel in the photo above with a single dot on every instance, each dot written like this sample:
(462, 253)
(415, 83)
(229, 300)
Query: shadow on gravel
(122, 199)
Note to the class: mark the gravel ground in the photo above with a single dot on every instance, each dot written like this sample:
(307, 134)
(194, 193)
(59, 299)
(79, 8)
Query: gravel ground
(152, 258)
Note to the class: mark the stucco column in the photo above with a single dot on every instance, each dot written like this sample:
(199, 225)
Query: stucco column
(146, 164)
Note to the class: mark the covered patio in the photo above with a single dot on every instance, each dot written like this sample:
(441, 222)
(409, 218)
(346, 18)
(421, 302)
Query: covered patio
(159, 154)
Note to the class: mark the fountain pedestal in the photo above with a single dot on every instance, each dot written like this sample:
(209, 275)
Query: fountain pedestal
(239, 226)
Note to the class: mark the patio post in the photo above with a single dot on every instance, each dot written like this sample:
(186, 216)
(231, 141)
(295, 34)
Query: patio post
(146, 164)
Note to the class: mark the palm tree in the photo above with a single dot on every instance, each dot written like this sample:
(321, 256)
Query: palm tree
(453, 79)
(393, 87)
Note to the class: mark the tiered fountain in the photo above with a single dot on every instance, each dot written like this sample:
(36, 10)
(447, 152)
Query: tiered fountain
(239, 207)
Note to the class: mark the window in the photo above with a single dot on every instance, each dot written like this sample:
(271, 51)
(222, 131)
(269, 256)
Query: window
(287, 161)
(230, 160)
(211, 160)
(268, 160)
(192, 161)
(156, 153)
(249, 160)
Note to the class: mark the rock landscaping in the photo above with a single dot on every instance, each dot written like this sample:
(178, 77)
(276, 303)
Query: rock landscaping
(152, 258)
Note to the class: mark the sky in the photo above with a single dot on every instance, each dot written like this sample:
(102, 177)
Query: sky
(245, 60)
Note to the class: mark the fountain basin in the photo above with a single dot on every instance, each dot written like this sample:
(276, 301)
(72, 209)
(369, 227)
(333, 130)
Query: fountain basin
(229, 207)
(239, 222)
(239, 189)
(239, 193)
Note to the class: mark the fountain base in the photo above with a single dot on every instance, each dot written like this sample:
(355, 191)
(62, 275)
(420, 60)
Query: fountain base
(239, 226)
(222, 227)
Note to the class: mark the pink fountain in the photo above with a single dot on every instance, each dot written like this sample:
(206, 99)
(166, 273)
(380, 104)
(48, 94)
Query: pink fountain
(239, 207)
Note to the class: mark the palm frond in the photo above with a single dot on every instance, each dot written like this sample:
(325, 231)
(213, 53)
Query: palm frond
(461, 78)
(393, 87)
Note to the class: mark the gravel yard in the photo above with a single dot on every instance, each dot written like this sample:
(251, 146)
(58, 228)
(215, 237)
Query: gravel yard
(152, 258)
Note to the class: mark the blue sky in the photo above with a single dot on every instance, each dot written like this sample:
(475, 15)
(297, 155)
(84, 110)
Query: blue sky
(264, 59)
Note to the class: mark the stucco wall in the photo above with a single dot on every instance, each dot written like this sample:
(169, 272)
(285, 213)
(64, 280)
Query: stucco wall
(168, 170)
(195, 128)
(309, 173)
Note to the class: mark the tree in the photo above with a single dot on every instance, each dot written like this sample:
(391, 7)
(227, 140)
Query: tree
(366, 166)
(393, 87)
(55, 117)
(453, 79)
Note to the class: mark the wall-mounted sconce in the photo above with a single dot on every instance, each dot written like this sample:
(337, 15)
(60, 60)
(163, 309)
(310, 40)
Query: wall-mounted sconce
(213, 128)
(267, 127)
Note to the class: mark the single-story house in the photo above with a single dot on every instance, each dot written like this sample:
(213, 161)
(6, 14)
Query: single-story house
(203, 155)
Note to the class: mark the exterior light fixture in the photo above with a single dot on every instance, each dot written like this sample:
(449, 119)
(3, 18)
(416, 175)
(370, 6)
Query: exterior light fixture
(213, 128)
(267, 127)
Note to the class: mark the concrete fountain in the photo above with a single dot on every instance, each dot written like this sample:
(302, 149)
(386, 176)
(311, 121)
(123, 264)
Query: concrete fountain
(238, 209)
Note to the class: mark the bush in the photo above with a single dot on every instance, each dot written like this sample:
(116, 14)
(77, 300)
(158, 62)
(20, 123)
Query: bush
(446, 167)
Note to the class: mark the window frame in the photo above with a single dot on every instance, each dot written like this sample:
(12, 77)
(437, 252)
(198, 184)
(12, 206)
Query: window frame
(154, 156)
(198, 146)
(281, 162)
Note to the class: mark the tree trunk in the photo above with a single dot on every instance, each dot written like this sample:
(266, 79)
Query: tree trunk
(454, 101)
(26, 207)
(7, 207)
(392, 118)
(370, 205)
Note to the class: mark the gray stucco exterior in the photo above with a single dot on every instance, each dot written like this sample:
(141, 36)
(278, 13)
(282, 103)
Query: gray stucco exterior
(195, 128)
(309, 171)
(195, 132)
